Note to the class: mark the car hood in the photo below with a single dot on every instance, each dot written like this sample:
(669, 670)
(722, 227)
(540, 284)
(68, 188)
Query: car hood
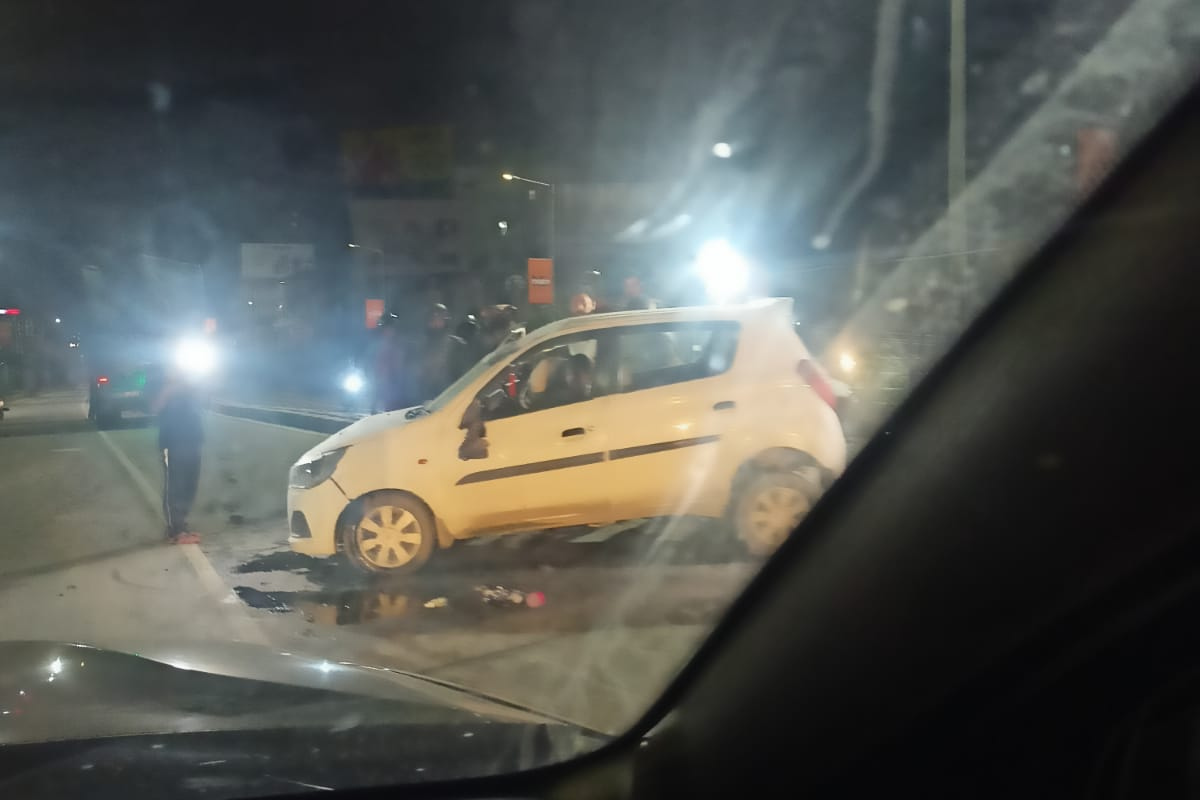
(365, 428)
(51, 691)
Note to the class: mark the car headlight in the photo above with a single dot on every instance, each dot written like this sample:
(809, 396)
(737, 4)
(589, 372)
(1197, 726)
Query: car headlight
(353, 382)
(317, 471)
(847, 362)
(195, 357)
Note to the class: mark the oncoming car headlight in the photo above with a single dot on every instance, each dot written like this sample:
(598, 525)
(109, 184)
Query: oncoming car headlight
(195, 357)
(312, 473)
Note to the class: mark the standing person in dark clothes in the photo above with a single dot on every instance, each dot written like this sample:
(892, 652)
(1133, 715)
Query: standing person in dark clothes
(389, 370)
(436, 350)
(462, 350)
(180, 437)
(582, 304)
(633, 298)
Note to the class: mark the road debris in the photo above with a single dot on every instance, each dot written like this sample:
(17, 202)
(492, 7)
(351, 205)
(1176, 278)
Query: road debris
(497, 595)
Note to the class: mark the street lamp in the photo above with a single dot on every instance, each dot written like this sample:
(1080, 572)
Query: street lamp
(508, 176)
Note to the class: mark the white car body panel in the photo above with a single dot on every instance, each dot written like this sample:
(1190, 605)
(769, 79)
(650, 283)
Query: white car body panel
(668, 449)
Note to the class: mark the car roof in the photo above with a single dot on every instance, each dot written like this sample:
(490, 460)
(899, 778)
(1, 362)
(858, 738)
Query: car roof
(741, 312)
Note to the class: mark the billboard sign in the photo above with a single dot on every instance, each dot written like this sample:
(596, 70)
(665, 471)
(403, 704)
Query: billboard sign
(374, 312)
(541, 281)
(413, 159)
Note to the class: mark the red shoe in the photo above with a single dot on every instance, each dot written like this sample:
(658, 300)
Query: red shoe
(187, 538)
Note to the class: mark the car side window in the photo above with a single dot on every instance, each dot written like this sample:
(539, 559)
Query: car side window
(559, 372)
(663, 354)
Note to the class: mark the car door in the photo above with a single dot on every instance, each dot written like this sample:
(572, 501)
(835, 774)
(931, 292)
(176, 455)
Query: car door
(672, 404)
(542, 461)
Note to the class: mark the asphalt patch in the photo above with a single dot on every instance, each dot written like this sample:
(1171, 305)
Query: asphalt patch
(267, 601)
(279, 561)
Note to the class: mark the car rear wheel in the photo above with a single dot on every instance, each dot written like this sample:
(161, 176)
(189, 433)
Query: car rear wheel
(770, 506)
(395, 535)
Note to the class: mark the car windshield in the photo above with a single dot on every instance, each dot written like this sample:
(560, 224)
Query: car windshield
(640, 278)
(504, 351)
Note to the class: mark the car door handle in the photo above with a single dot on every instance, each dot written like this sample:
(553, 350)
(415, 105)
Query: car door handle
(724, 405)
(573, 432)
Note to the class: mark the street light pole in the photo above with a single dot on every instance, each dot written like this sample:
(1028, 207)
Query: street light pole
(508, 176)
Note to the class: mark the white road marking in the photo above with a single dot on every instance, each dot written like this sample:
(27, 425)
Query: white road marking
(271, 425)
(239, 620)
(336, 416)
(143, 485)
(66, 449)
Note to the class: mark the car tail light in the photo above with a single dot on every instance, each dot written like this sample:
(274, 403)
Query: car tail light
(103, 379)
(817, 381)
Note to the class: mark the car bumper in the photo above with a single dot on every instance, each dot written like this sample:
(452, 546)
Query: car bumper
(315, 511)
(135, 404)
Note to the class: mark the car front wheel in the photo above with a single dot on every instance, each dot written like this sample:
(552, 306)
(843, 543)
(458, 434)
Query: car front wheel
(395, 535)
(770, 506)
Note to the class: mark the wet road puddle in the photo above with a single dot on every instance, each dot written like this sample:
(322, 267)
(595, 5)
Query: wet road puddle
(366, 605)
(542, 583)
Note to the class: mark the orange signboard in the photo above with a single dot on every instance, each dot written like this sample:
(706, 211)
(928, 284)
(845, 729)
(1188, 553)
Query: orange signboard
(374, 309)
(541, 281)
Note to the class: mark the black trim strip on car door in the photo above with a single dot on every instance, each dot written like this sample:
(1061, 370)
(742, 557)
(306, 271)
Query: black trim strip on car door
(660, 447)
(582, 460)
(531, 468)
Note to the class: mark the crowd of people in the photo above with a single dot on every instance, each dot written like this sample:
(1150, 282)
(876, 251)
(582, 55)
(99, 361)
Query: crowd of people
(413, 363)
(415, 357)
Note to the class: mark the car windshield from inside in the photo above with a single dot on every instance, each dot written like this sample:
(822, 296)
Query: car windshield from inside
(641, 280)
(470, 376)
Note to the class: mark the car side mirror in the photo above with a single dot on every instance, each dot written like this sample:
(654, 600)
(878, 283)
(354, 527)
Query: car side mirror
(474, 444)
(472, 416)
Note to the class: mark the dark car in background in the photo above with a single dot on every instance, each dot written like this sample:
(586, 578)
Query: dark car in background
(122, 391)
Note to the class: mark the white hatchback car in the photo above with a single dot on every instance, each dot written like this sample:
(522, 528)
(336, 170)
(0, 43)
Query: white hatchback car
(715, 412)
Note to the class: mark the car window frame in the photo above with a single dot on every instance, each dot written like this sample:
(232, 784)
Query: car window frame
(666, 327)
(598, 334)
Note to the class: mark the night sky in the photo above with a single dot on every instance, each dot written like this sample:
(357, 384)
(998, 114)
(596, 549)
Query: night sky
(180, 129)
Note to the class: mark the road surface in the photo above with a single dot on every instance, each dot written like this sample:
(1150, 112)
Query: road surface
(84, 560)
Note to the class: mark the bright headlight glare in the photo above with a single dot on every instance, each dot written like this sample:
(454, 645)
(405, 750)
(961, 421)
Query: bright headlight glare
(723, 269)
(313, 473)
(195, 356)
